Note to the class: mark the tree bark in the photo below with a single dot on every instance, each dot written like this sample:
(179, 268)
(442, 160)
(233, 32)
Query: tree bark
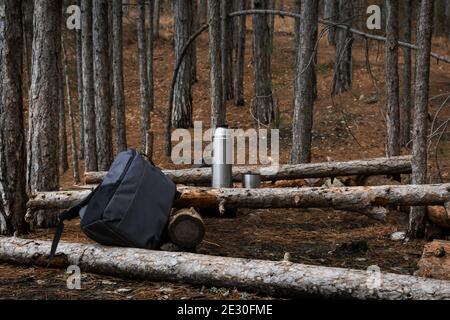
(392, 81)
(193, 47)
(420, 122)
(118, 86)
(186, 228)
(45, 102)
(27, 27)
(63, 155)
(241, 33)
(73, 140)
(102, 84)
(156, 18)
(369, 201)
(304, 84)
(278, 278)
(143, 76)
(182, 106)
(407, 67)
(90, 144)
(151, 94)
(331, 13)
(13, 195)
(377, 166)
(226, 7)
(218, 108)
(262, 52)
(342, 80)
(203, 11)
(80, 89)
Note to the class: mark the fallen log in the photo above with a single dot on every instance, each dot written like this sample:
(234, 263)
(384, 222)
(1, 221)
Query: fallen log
(435, 261)
(186, 228)
(377, 166)
(440, 216)
(367, 200)
(276, 278)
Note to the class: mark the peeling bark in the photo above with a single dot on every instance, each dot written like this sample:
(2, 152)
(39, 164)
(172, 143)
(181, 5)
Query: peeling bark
(277, 278)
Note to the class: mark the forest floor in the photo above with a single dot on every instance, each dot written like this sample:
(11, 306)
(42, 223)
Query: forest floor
(351, 128)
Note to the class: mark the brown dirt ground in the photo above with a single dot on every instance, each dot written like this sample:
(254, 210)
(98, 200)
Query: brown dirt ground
(318, 237)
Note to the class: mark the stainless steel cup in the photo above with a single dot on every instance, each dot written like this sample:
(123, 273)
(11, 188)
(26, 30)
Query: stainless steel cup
(222, 159)
(251, 180)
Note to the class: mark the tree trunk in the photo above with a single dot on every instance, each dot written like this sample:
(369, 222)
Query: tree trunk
(218, 108)
(377, 166)
(392, 81)
(63, 156)
(102, 84)
(278, 278)
(13, 195)
(27, 27)
(331, 13)
(241, 32)
(342, 80)
(73, 141)
(119, 97)
(182, 106)
(203, 11)
(369, 201)
(303, 95)
(156, 17)
(90, 144)
(262, 52)
(194, 27)
(151, 90)
(45, 102)
(407, 67)
(226, 7)
(143, 76)
(420, 122)
(186, 228)
(80, 89)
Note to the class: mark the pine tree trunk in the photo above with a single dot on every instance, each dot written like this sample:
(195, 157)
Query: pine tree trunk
(226, 7)
(218, 108)
(45, 102)
(73, 141)
(156, 17)
(407, 79)
(13, 196)
(102, 84)
(303, 95)
(90, 144)
(143, 76)
(330, 13)
(80, 89)
(194, 27)
(27, 27)
(262, 52)
(119, 97)
(343, 66)
(392, 81)
(203, 11)
(182, 106)
(420, 121)
(241, 32)
(151, 90)
(63, 156)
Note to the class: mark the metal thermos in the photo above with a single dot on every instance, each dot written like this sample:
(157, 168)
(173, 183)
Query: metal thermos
(251, 180)
(222, 163)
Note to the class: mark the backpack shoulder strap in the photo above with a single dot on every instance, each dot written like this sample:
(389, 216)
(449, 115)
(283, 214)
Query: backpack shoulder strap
(68, 215)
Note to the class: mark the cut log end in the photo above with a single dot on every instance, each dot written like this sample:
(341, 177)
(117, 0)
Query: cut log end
(186, 228)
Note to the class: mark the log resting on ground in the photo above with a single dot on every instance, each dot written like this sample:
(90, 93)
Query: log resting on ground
(377, 166)
(275, 278)
(367, 200)
(435, 261)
